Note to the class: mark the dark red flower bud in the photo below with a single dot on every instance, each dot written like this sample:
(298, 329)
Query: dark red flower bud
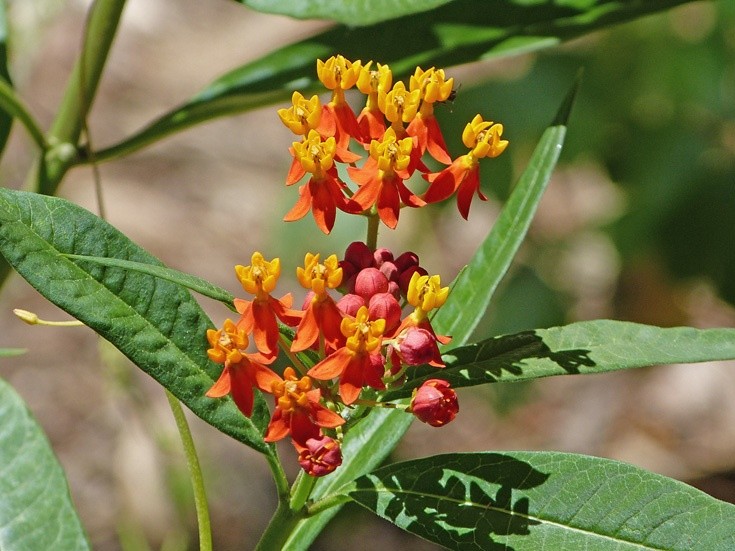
(406, 260)
(385, 306)
(321, 456)
(359, 255)
(350, 304)
(382, 255)
(369, 282)
(435, 403)
(417, 346)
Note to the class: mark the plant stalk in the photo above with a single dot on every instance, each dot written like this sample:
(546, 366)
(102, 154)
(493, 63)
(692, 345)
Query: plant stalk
(195, 473)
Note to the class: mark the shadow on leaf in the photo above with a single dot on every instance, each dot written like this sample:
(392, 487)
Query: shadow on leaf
(461, 501)
(507, 358)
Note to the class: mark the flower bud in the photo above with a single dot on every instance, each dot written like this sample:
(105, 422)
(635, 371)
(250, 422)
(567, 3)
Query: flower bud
(369, 282)
(434, 403)
(394, 289)
(350, 304)
(389, 270)
(406, 260)
(385, 306)
(417, 346)
(321, 456)
(359, 255)
(382, 255)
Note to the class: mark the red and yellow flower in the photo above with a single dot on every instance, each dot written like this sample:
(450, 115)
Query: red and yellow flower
(325, 192)
(433, 87)
(241, 372)
(373, 82)
(260, 316)
(298, 411)
(463, 175)
(381, 178)
(321, 317)
(359, 362)
(339, 74)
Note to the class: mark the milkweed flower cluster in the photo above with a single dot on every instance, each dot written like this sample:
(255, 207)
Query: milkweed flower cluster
(394, 130)
(366, 317)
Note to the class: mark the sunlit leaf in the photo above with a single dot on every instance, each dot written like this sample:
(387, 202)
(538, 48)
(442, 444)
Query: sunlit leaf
(579, 348)
(349, 12)
(36, 511)
(460, 32)
(155, 323)
(544, 500)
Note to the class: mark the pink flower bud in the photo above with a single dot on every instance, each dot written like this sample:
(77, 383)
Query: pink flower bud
(385, 306)
(350, 304)
(389, 270)
(359, 255)
(321, 456)
(417, 346)
(435, 403)
(382, 255)
(394, 289)
(369, 282)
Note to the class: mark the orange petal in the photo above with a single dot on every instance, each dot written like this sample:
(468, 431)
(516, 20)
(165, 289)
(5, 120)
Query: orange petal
(222, 386)
(332, 366)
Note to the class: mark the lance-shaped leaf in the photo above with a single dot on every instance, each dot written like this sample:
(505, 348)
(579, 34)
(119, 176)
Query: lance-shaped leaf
(36, 511)
(459, 32)
(155, 323)
(544, 500)
(476, 284)
(349, 12)
(584, 347)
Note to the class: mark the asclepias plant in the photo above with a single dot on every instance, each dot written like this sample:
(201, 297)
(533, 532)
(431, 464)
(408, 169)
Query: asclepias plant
(375, 342)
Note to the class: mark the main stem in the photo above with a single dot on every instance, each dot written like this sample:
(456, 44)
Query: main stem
(372, 229)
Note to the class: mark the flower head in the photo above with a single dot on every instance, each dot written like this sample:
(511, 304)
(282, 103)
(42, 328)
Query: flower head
(241, 372)
(399, 105)
(304, 115)
(359, 362)
(320, 456)
(435, 403)
(298, 410)
(337, 72)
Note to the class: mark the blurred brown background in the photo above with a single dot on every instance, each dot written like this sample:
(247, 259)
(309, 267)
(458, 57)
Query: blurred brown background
(203, 200)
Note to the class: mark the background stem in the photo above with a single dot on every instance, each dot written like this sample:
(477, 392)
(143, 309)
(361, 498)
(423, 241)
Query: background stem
(195, 473)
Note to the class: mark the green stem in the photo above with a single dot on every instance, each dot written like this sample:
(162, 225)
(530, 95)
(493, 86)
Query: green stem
(102, 22)
(301, 490)
(372, 230)
(279, 475)
(279, 529)
(12, 104)
(326, 503)
(195, 472)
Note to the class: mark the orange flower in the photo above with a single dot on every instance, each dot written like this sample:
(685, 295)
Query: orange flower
(433, 88)
(339, 74)
(260, 315)
(321, 317)
(325, 192)
(372, 82)
(463, 175)
(359, 363)
(298, 411)
(381, 178)
(241, 373)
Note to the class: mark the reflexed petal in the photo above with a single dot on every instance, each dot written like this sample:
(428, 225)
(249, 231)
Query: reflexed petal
(222, 386)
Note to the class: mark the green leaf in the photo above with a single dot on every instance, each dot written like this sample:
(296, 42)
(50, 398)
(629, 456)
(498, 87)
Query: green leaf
(544, 500)
(579, 348)
(201, 286)
(155, 323)
(36, 511)
(475, 285)
(460, 32)
(366, 446)
(349, 12)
